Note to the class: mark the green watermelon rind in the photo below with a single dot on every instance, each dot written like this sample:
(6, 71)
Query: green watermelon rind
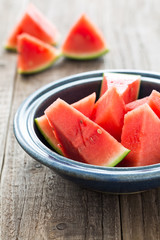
(39, 69)
(58, 150)
(10, 48)
(119, 158)
(85, 56)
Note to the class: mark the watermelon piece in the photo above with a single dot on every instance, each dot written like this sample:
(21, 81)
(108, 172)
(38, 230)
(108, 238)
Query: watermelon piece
(153, 100)
(86, 104)
(84, 41)
(132, 105)
(141, 134)
(127, 85)
(48, 133)
(35, 55)
(82, 139)
(34, 23)
(109, 112)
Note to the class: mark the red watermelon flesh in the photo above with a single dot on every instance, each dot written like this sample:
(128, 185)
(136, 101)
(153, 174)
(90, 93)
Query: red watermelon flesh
(127, 85)
(35, 55)
(82, 139)
(141, 134)
(153, 100)
(109, 112)
(84, 40)
(48, 133)
(132, 105)
(86, 104)
(34, 23)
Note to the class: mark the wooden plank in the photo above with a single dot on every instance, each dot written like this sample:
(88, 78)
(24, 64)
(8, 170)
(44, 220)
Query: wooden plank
(8, 74)
(151, 214)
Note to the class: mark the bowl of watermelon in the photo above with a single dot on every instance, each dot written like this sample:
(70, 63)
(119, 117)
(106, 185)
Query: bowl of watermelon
(98, 129)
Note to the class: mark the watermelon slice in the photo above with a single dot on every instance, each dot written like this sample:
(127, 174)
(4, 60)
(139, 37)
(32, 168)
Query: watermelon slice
(35, 55)
(84, 41)
(86, 104)
(141, 134)
(153, 100)
(127, 85)
(48, 133)
(109, 112)
(132, 105)
(82, 139)
(34, 23)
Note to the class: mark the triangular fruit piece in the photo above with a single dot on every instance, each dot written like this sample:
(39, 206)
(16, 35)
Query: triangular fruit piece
(34, 23)
(153, 100)
(35, 55)
(132, 105)
(127, 85)
(48, 133)
(86, 104)
(82, 139)
(141, 134)
(109, 112)
(84, 41)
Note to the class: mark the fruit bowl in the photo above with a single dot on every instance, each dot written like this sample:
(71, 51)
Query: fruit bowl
(116, 180)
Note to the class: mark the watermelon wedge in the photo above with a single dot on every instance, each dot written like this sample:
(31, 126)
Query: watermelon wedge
(84, 41)
(127, 85)
(35, 55)
(86, 104)
(153, 100)
(141, 134)
(34, 23)
(132, 105)
(82, 139)
(48, 133)
(109, 112)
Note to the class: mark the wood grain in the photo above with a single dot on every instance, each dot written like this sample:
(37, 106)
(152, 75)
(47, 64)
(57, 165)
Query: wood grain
(36, 203)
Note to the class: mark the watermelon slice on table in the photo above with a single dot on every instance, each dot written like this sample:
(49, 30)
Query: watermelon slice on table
(127, 85)
(141, 134)
(82, 139)
(34, 23)
(35, 55)
(109, 112)
(84, 41)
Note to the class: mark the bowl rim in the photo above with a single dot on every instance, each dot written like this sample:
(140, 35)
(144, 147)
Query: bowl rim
(30, 142)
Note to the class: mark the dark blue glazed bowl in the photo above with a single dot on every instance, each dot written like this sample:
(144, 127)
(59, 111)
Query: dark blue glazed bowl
(105, 179)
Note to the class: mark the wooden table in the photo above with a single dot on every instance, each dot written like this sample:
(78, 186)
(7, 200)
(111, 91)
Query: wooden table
(36, 203)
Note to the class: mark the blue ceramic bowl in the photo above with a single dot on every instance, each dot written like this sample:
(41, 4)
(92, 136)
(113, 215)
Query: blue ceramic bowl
(71, 89)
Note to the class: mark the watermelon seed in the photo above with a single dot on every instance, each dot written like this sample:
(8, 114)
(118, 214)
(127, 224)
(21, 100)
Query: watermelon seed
(99, 131)
(81, 121)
